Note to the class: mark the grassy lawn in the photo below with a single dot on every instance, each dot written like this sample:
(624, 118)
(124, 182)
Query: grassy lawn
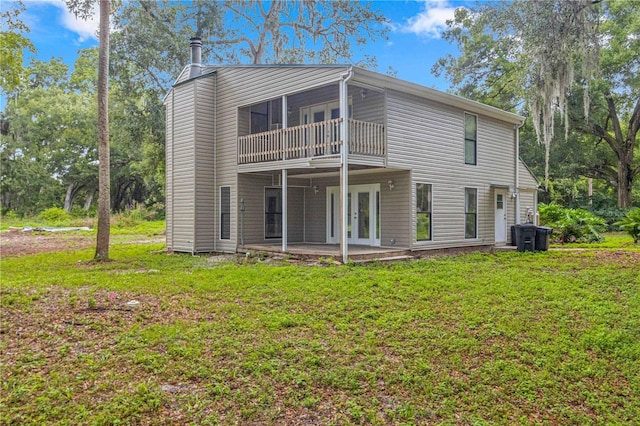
(612, 241)
(507, 338)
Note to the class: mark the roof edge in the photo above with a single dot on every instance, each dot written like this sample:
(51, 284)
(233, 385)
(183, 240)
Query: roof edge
(405, 86)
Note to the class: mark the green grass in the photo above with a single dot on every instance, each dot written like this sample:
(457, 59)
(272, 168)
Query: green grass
(507, 338)
(612, 240)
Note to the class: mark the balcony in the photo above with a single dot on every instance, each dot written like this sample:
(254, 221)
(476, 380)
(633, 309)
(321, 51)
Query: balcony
(321, 139)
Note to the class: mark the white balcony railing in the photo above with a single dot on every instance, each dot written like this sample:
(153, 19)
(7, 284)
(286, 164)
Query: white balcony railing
(311, 140)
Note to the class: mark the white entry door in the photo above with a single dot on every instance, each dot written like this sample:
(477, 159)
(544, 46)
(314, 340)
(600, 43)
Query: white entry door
(500, 203)
(363, 215)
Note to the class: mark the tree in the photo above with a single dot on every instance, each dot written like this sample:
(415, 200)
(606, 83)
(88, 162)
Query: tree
(547, 54)
(104, 191)
(153, 34)
(83, 8)
(49, 141)
(12, 46)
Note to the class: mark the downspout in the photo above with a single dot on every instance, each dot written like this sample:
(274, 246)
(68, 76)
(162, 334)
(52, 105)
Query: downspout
(195, 150)
(216, 191)
(516, 192)
(173, 193)
(285, 186)
(344, 171)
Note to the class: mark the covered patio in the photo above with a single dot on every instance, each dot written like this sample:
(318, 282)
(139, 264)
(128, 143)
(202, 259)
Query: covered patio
(357, 253)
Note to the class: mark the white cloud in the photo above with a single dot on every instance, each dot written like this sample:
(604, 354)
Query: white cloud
(432, 20)
(85, 28)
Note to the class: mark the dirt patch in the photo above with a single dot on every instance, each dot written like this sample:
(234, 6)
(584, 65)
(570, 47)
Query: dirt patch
(17, 243)
(622, 258)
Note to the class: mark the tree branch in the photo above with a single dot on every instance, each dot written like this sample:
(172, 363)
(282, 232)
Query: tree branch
(634, 123)
(611, 106)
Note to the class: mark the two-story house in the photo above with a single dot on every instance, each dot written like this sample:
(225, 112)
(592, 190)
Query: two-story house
(335, 156)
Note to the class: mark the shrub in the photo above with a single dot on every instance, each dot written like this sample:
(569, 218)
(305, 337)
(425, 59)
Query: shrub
(611, 215)
(631, 224)
(10, 215)
(55, 215)
(572, 225)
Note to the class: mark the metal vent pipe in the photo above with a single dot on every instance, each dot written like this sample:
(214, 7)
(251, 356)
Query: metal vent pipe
(196, 55)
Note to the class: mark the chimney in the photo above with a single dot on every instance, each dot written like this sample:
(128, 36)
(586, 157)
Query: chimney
(196, 53)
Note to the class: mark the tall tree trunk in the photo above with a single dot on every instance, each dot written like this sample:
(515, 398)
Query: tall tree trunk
(625, 179)
(104, 189)
(626, 170)
(72, 191)
(88, 201)
(623, 146)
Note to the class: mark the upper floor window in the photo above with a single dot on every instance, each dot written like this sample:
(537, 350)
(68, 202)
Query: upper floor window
(423, 212)
(470, 138)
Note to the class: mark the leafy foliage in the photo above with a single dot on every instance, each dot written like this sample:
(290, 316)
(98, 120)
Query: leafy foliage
(55, 215)
(541, 54)
(13, 43)
(154, 35)
(572, 225)
(630, 223)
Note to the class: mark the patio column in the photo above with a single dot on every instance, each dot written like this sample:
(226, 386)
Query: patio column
(344, 168)
(284, 210)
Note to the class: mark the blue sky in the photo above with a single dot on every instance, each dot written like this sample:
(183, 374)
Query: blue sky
(413, 47)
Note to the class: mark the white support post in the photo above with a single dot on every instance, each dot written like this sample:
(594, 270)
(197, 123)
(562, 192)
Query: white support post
(284, 210)
(344, 171)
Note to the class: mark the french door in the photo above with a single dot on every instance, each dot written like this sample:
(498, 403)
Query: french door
(363, 215)
(317, 138)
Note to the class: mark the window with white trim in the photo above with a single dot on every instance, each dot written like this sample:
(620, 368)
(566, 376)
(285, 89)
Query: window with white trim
(470, 213)
(225, 213)
(423, 212)
(470, 139)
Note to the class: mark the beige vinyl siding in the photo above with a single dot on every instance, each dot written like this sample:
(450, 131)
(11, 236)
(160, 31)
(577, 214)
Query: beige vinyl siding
(428, 138)
(528, 191)
(251, 189)
(182, 168)
(204, 165)
(526, 179)
(315, 219)
(295, 216)
(425, 139)
(394, 206)
(242, 86)
(527, 201)
(394, 211)
(371, 108)
(168, 104)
